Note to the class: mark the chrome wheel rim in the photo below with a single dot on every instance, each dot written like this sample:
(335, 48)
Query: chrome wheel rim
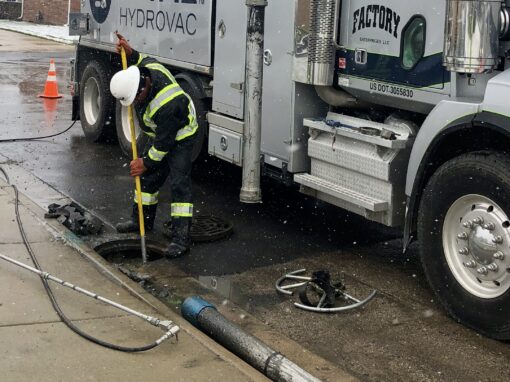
(126, 130)
(91, 101)
(476, 243)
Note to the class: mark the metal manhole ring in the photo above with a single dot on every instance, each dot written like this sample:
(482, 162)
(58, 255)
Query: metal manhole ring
(209, 228)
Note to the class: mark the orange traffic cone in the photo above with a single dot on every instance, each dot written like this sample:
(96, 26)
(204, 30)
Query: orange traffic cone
(51, 87)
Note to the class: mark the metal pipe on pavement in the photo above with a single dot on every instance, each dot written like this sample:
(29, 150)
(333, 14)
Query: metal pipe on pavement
(250, 190)
(272, 364)
(170, 328)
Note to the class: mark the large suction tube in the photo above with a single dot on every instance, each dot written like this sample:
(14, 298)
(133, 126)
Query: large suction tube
(271, 363)
(339, 98)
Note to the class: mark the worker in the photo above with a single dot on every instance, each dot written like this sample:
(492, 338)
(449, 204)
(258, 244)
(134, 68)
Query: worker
(167, 114)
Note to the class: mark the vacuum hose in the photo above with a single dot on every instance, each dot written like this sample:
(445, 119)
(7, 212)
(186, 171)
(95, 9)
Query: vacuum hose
(274, 365)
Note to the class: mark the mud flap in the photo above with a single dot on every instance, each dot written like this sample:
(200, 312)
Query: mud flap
(75, 116)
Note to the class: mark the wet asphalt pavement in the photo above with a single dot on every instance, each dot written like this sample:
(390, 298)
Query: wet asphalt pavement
(401, 336)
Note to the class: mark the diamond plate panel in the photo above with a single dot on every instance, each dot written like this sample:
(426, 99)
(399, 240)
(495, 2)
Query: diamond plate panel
(361, 157)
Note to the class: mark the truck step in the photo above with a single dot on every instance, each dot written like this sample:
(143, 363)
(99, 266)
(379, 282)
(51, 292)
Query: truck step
(341, 193)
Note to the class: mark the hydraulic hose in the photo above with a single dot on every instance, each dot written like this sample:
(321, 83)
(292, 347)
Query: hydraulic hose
(36, 138)
(53, 300)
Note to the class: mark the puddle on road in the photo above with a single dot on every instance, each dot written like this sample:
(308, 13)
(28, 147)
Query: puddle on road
(238, 293)
(225, 287)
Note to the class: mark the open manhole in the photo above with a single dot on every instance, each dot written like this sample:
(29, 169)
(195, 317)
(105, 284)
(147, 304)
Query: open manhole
(209, 228)
(118, 251)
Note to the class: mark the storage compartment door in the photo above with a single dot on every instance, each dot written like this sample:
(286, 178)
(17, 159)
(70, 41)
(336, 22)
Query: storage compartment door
(229, 57)
(278, 88)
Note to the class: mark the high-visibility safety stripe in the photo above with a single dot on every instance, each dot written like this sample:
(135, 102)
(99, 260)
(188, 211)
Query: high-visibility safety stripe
(152, 135)
(149, 122)
(147, 199)
(156, 155)
(162, 69)
(51, 78)
(163, 97)
(192, 126)
(184, 210)
(166, 95)
(141, 56)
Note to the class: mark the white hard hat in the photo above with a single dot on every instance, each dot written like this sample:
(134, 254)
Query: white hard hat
(124, 85)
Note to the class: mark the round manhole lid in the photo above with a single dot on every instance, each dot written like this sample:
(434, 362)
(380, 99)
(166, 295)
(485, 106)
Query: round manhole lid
(209, 228)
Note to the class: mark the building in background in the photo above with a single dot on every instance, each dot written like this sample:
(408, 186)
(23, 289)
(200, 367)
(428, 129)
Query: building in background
(54, 12)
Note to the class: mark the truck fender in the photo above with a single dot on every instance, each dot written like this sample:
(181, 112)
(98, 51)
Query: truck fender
(447, 116)
(491, 114)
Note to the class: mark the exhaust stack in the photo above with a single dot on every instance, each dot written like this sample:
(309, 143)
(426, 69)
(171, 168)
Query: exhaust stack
(315, 33)
(321, 50)
(472, 32)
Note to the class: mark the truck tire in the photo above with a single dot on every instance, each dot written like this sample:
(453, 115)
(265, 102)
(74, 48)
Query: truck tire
(124, 132)
(96, 103)
(464, 240)
(201, 111)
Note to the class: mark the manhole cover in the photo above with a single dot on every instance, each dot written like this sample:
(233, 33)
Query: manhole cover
(209, 228)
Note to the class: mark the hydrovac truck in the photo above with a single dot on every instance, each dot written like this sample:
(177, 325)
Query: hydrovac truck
(398, 111)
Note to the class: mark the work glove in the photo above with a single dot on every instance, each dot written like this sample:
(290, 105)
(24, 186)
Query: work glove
(122, 43)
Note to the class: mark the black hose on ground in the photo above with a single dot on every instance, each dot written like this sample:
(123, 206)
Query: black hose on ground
(51, 296)
(36, 138)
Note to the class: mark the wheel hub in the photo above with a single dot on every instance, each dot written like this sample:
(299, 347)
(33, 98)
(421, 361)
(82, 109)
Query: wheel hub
(481, 245)
(476, 242)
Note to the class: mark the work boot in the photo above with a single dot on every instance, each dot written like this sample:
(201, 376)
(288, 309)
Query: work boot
(132, 225)
(169, 230)
(180, 243)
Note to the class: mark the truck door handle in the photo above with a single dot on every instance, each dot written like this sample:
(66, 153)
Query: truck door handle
(268, 57)
(360, 56)
(222, 29)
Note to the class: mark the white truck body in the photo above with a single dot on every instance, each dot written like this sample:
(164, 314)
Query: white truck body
(362, 101)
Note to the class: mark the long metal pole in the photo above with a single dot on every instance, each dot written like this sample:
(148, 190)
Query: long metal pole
(250, 190)
(166, 325)
(141, 221)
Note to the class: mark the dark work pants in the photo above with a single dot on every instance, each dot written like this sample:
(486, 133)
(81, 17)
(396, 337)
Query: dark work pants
(176, 164)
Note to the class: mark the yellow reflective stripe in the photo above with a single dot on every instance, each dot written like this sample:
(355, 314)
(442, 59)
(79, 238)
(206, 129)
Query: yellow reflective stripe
(192, 126)
(184, 210)
(163, 97)
(141, 56)
(156, 155)
(148, 121)
(147, 199)
(162, 69)
(186, 132)
(152, 135)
